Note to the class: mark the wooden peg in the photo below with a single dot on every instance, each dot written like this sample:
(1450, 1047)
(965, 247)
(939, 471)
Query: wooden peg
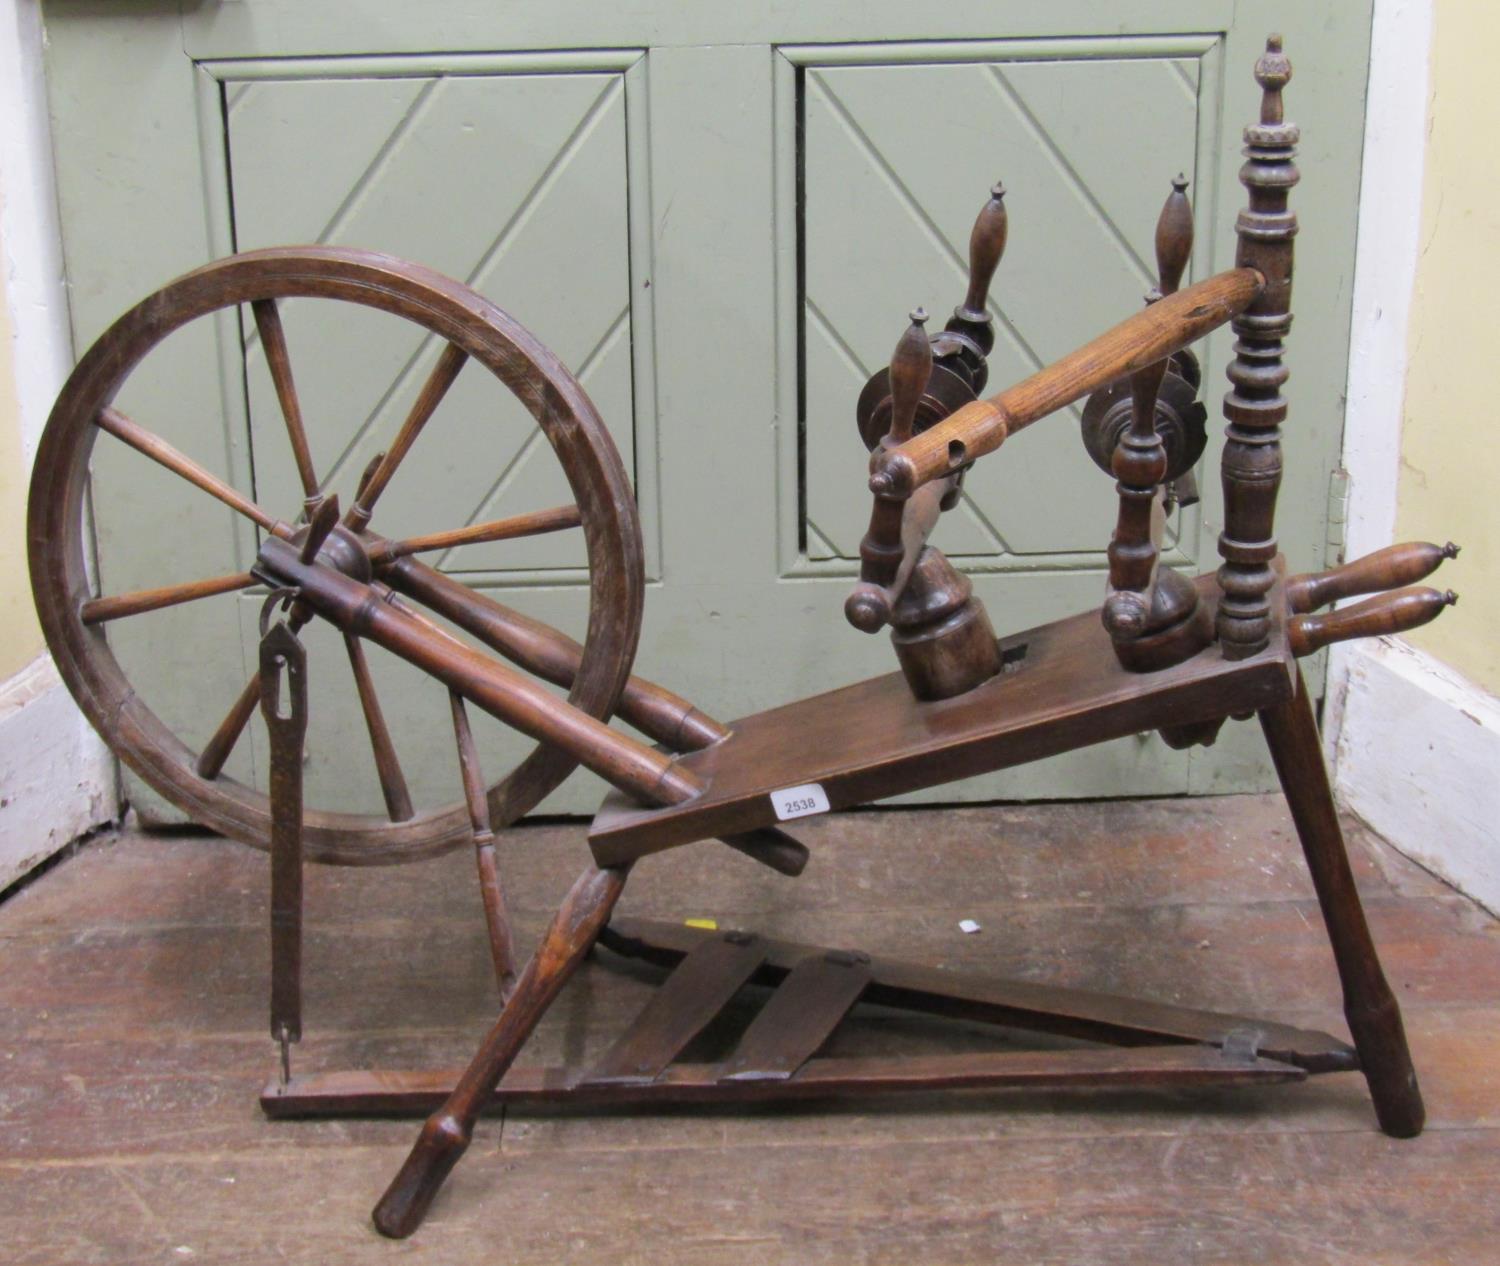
(911, 367)
(1174, 238)
(325, 519)
(1387, 568)
(882, 549)
(1396, 612)
(986, 246)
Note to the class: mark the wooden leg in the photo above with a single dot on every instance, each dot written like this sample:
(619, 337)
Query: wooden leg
(446, 1134)
(1369, 1005)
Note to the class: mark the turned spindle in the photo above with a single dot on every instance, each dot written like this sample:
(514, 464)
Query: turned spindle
(868, 608)
(1144, 600)
(1254, 407)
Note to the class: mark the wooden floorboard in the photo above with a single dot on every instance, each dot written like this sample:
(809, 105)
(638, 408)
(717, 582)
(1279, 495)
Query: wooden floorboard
(132, 1048)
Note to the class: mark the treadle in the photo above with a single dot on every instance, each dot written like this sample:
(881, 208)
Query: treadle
(813, 990)
(800, 1016)
(697, 990)
(1064, 689)
(1081, 1013)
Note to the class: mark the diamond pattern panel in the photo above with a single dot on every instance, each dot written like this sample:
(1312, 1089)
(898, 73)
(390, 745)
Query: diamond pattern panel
(515, 184)
(1086, 149)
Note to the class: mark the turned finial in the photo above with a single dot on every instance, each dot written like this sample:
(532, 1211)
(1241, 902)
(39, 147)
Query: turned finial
(986, 246)
(1273, 71)
(1174, 239)
(911, 367)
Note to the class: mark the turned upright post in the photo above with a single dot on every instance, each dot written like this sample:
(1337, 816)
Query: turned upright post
(1255, 406)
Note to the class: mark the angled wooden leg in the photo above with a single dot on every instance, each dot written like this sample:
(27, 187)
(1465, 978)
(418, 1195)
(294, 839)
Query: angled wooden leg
(1369, 1005)
(446, 1134)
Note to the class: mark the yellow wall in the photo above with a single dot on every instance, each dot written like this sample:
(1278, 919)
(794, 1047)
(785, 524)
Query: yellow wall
(20, 636)
(1450, 445)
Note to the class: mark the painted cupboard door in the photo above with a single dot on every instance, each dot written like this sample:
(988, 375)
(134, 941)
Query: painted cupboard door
(719, 216)
(515, 184)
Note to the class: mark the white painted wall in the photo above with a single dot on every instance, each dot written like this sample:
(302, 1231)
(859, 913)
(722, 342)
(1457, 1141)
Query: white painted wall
(57, 779)
(1415, 746)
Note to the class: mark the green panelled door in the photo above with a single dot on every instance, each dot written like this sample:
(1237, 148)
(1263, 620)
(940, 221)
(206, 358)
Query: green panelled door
(718, 216)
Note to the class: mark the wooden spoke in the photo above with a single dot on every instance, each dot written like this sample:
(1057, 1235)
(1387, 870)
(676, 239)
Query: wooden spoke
(432, 393)
(475, 796)
(216, 751)
(536, 523)
(97, 610)
(158, 450)
(496, 917)
(273, 339)
(392, 781)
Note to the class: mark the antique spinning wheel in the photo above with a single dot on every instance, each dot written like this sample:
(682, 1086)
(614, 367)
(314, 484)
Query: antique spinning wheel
(76, 622)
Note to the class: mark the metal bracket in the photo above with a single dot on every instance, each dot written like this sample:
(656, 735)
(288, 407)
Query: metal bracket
(1242, 1046)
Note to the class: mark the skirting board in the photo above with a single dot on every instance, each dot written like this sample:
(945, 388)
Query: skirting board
(1417, 757)
(57, 779)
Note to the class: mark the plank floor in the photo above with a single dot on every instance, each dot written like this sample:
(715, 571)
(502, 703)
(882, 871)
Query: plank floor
(133, 1045)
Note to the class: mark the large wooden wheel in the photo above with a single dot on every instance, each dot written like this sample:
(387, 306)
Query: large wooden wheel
(76, 621)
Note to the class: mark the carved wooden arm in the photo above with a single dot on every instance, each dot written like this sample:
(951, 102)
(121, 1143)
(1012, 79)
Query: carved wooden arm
(1148, 336)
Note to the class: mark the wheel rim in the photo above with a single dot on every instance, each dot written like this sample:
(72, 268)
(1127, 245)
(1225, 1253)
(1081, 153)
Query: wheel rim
(469, 323)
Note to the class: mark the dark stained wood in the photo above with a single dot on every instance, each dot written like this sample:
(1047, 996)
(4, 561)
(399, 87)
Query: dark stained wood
(110, 1076)
(940, 631)
(387, 764)
(412, 1092)
(446, 1135)
(1154, 616)
(500, 691)
(221, 742)
(1255, 407)
(1369, 1005)
(870, 603)
(279, 361)
(981, 427)
(551, 655)
(799, 1017)
(986, 247)
(1174, 239)
(496, 916)
(892, 539)
(471, 329)
(1386, 568)
(449, 363)
(114, 607)
(283, 702)
(700, 986)
(536, 523)
(1399, 611)
(158, 450)
(1063, 686)
(1077, 1013)
(873, 740)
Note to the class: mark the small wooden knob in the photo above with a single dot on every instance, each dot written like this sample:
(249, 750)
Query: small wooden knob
(1174, 238)
(911, 367)
(868, 608)
(986, 246)
(324, 520)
